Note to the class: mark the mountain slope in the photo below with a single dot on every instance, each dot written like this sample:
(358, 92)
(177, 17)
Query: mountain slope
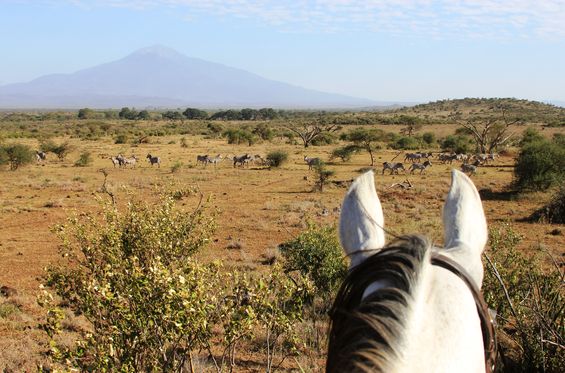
(159, 76)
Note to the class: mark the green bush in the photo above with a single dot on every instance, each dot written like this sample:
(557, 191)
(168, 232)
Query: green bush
(406, 143)
(530, 321)
(457, 144)
(540, 165)
(317, 254)
(121, 139)
(239, 136)
(344, 153)
(429, 138)
(131, 275)
(554, 211)
(322, 175)
(16, 155)
(324, 139)
(84, 160)
(277, 158)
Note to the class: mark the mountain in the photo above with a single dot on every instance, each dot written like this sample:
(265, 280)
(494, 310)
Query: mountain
(161, 77)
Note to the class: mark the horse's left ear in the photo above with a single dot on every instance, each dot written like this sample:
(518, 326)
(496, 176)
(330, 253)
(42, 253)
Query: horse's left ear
(361, 221)
(465, 225)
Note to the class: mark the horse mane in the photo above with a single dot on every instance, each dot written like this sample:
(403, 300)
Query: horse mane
(366, 334)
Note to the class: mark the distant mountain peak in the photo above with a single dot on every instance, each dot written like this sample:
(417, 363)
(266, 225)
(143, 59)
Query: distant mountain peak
(158, 50)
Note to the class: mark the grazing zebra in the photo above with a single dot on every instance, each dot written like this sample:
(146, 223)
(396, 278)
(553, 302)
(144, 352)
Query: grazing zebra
(447, 158)
(420, 166)
(470, 169)
(242, 160)
(203, 159)
(118, 160)
(393, 167)
(131, 161)
(217, 159)
(311, 162)
(154, 160)
(40, 156)
(412, 157)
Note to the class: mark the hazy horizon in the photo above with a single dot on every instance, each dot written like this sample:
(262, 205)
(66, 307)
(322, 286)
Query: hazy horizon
(394, 51)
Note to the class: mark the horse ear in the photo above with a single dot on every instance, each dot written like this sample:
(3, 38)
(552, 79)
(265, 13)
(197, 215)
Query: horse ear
(465, 226)
(361, 222)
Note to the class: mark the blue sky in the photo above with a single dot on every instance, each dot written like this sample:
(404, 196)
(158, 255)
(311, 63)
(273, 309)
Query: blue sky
(398, 50)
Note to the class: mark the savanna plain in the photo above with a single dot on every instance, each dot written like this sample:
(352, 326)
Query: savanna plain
(251, 209)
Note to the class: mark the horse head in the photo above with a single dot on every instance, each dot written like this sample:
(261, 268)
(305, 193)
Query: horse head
(408, 306)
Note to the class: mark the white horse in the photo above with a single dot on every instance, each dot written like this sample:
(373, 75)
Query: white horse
(411, 307)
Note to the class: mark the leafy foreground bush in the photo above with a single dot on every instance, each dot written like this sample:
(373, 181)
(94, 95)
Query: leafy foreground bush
(151, 306)
(529, 303)
(554, 211)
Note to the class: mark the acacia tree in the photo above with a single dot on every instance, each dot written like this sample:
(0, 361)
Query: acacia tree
(309, 131)
(490, 132)
(411, 125)
(366, 139)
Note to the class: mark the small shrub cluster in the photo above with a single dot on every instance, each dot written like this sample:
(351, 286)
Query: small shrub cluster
(529, 305)
(16, 155)
(277, 158)
(84, 160)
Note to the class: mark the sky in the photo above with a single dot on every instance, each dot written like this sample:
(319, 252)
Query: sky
(397, 50)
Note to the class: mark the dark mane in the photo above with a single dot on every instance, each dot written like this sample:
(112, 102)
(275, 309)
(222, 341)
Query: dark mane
(364, 336)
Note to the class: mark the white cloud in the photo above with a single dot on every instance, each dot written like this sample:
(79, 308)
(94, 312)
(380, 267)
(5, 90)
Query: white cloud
(543, 19)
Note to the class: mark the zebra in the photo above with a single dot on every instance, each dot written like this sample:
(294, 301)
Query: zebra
(311, 162)
(393, 167)
(470, 169)
(242, 160)
(40, 156)
(154, 160)
(217, 159)
(420, 166)
(413, 157)
(131, 161)
(447, 158)
(118, 160)
(202, 159)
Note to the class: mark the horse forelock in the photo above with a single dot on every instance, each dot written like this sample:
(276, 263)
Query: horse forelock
(367, 331)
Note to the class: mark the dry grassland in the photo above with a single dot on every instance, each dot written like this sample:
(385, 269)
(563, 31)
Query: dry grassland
(257, 209)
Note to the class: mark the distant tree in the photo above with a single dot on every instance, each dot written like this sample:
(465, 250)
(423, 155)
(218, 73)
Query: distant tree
(322, 175)
(411, 125)
(248, 114)
(366, 139)
(227, 115)
(192, 113)
(239, 136)
(143, 115)
(267, 114)
(127, 113)
(172, 115)
(264, 131)
(16, 155)
(457, 144)
(344, 153)
(489, 131)
(85, 113)
(309, 131)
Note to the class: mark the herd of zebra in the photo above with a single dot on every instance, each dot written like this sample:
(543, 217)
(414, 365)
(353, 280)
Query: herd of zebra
(469, 165)
(121, 161)
(238, 160)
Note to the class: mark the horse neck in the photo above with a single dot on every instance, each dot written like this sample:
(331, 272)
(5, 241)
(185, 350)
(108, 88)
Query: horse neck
(442, 328)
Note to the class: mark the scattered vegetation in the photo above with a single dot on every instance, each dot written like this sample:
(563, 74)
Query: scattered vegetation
(84, 160)
(277, 158)
(16, 155)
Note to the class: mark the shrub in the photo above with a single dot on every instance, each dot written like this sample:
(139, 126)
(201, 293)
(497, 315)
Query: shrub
(16, 155)
(84, 160)
(239, 136)
(344, 153)
(324, 139)
(121, 139)
(322, 175)
(406, 142)
(457, 144)
(183, 142)
(429, 138)
(277, 158)
(317, 254)
(176, 167)
(540, 165)
(530, 321)
(554, 211)
(130, 273)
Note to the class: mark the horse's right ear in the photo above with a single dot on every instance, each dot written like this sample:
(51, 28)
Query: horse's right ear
(465, 225)
(361, 222)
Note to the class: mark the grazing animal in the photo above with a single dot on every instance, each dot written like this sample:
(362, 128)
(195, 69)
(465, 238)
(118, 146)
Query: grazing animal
(394, 167)
(311, 162)
(40, 156)
(409, 306)
(420, 166)
(154, 160)
(116, 161)
(129, 161)
(412, 157)
(203, 159)
(217, 159)
(242, 160)
(447, 158)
